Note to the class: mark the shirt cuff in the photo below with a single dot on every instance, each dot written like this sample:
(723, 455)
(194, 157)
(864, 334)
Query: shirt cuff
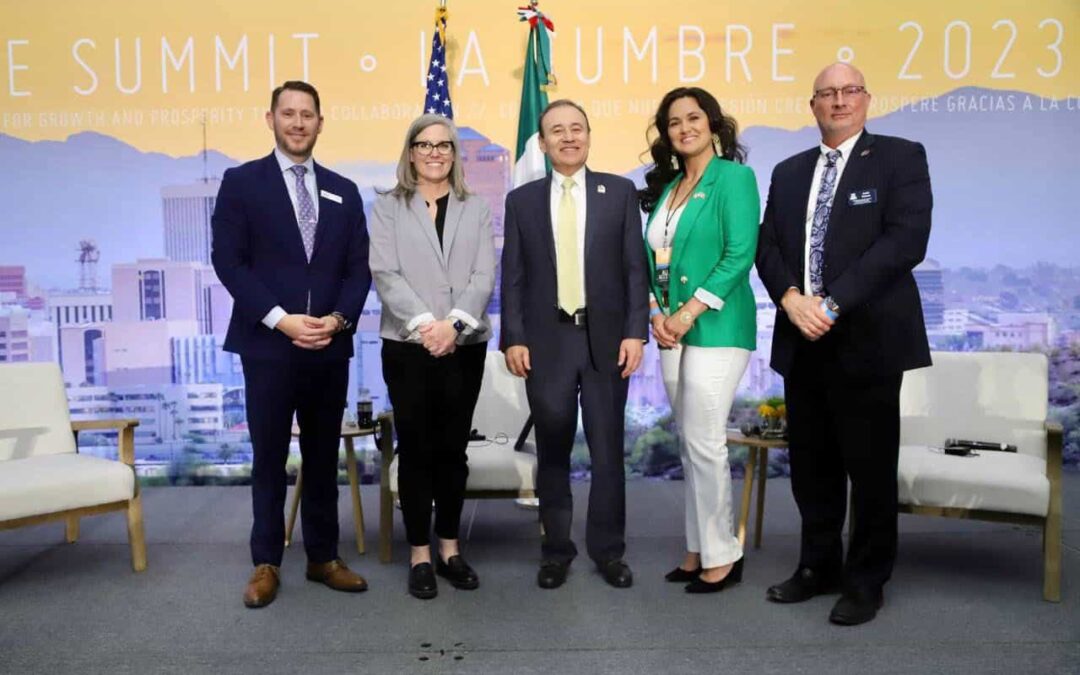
(273, 316)
(472, 324)
(713, 301)
(419, 320)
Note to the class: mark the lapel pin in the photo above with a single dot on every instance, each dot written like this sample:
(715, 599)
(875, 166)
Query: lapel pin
(864, 153)
(601, 189)
(699, 195)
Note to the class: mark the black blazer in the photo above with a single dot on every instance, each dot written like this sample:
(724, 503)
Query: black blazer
(870, 252)
(258, 254)
(616, 282)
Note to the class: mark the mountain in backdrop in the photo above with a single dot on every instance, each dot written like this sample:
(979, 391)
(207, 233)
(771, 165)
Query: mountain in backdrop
(1001, 180)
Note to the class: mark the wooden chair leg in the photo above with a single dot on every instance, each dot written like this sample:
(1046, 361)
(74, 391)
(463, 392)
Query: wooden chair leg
(748, 487)
(71, 529)
(763, 475)
(1052, 558)
(136, 536)
(386, 500)
(354, 490)
(295, 506)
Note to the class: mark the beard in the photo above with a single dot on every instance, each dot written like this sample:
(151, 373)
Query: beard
(293, 146)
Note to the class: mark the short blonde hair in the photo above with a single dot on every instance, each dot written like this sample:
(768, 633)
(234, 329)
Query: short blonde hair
(406, 172)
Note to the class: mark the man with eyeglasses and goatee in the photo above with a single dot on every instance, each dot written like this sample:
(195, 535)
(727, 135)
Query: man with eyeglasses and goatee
(845, 224)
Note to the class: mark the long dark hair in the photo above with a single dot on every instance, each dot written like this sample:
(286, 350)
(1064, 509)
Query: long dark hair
(663, 170)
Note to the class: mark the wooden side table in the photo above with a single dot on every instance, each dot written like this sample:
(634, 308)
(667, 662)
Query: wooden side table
(756, 460)
(384, 433)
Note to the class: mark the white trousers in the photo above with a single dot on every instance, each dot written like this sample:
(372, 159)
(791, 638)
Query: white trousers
(701, 383)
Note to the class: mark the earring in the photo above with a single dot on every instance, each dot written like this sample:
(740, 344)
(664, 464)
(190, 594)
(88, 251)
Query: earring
(674, 161)
(717, 147)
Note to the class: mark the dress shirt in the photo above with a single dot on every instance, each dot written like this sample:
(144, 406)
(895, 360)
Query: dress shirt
(274, 315)
(845, 149)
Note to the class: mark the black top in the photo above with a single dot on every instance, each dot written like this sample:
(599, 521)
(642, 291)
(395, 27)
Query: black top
(440, 214)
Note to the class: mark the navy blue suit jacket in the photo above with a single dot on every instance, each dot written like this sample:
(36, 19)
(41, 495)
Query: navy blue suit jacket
(259, 256)
(871, 248)
(616, 280)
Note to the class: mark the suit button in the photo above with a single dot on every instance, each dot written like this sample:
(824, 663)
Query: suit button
(683, 279)
(680, 304)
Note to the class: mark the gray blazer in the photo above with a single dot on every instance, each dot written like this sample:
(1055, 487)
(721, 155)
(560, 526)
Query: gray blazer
(414, 276)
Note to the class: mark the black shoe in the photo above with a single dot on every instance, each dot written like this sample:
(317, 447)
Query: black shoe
(733, 577)
(422, 582)
(855, 607)
(552, 574)
(805, 584)
(457, 572)
(617, 573)
(681, 576)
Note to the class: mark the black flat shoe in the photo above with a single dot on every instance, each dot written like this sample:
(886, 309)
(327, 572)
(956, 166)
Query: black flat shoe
(552, 574)
(617, 573)
(803, 585)
(733, 577)
(422, 582)
(856, 607)
(681, 576)
(458, 573)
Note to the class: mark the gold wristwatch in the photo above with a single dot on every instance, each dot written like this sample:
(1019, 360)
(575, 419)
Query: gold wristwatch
(686, 317)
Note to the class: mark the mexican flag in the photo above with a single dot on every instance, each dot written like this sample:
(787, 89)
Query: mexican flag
(529, 162)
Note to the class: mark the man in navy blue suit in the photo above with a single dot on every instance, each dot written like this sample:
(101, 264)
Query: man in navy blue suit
(845, 225)
(291, 246)
(575, 316)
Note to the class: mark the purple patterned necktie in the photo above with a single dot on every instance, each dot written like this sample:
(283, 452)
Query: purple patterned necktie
(821, 222)
(305, 210)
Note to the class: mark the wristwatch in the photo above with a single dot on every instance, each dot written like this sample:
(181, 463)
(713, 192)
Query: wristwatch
(343, 322)
(686, 317)
(459, 325)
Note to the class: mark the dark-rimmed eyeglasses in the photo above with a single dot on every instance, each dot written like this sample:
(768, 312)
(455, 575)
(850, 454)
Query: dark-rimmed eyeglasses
(829, 93)
(425, 148)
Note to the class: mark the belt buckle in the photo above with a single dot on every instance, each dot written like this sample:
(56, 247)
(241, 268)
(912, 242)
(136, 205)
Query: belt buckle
(579, 318)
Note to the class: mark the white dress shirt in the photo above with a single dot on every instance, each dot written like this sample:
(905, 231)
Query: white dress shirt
(845, 149)
(580, 197)
(273, 316)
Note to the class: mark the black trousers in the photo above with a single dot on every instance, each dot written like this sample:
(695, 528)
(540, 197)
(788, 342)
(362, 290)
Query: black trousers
(844, 428)
(433, 401)
(316, 394)
(553, 388)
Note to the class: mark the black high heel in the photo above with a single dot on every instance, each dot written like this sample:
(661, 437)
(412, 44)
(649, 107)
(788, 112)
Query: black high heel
(679, 575)
(733, 577)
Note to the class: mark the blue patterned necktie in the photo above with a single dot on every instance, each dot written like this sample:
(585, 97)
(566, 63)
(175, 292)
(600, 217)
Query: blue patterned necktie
(305, 210)
(821, 222)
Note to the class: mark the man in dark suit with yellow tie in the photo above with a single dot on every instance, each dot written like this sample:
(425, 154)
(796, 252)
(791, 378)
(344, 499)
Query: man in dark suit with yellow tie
(291, 247)
(845, 225)
(575, 315)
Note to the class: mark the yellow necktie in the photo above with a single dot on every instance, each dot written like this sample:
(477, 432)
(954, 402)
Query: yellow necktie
(568, 267)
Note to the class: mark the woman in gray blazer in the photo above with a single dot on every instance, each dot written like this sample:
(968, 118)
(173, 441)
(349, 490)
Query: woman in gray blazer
(433, 261)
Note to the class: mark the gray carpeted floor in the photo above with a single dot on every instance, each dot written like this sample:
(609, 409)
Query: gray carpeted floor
(965, 598)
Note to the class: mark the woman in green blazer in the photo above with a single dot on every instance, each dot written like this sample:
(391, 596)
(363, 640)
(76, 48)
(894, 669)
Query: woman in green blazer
(701, 239)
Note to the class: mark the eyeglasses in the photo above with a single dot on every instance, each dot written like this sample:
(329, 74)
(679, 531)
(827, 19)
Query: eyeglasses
(829, 93)
(425, 148)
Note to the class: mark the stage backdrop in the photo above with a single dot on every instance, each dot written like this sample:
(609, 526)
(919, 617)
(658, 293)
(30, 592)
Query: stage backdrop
(117, 120)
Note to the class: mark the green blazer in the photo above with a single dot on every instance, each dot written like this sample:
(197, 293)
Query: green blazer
(714, 247)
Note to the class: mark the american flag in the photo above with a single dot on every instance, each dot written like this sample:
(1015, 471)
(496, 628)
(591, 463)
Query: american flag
(437, 100)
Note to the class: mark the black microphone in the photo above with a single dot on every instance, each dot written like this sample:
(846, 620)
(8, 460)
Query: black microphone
(981, 445)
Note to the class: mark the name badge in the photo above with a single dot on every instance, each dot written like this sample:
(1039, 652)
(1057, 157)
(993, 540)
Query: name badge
(330, 195)
(862, 197)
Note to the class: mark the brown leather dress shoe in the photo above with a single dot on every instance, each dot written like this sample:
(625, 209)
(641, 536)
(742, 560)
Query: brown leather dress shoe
(337, 576)
(262, 587)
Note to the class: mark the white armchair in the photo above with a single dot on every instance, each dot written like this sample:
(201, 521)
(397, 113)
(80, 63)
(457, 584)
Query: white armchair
(1000, 397)
(42, 476)
(496, 469)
